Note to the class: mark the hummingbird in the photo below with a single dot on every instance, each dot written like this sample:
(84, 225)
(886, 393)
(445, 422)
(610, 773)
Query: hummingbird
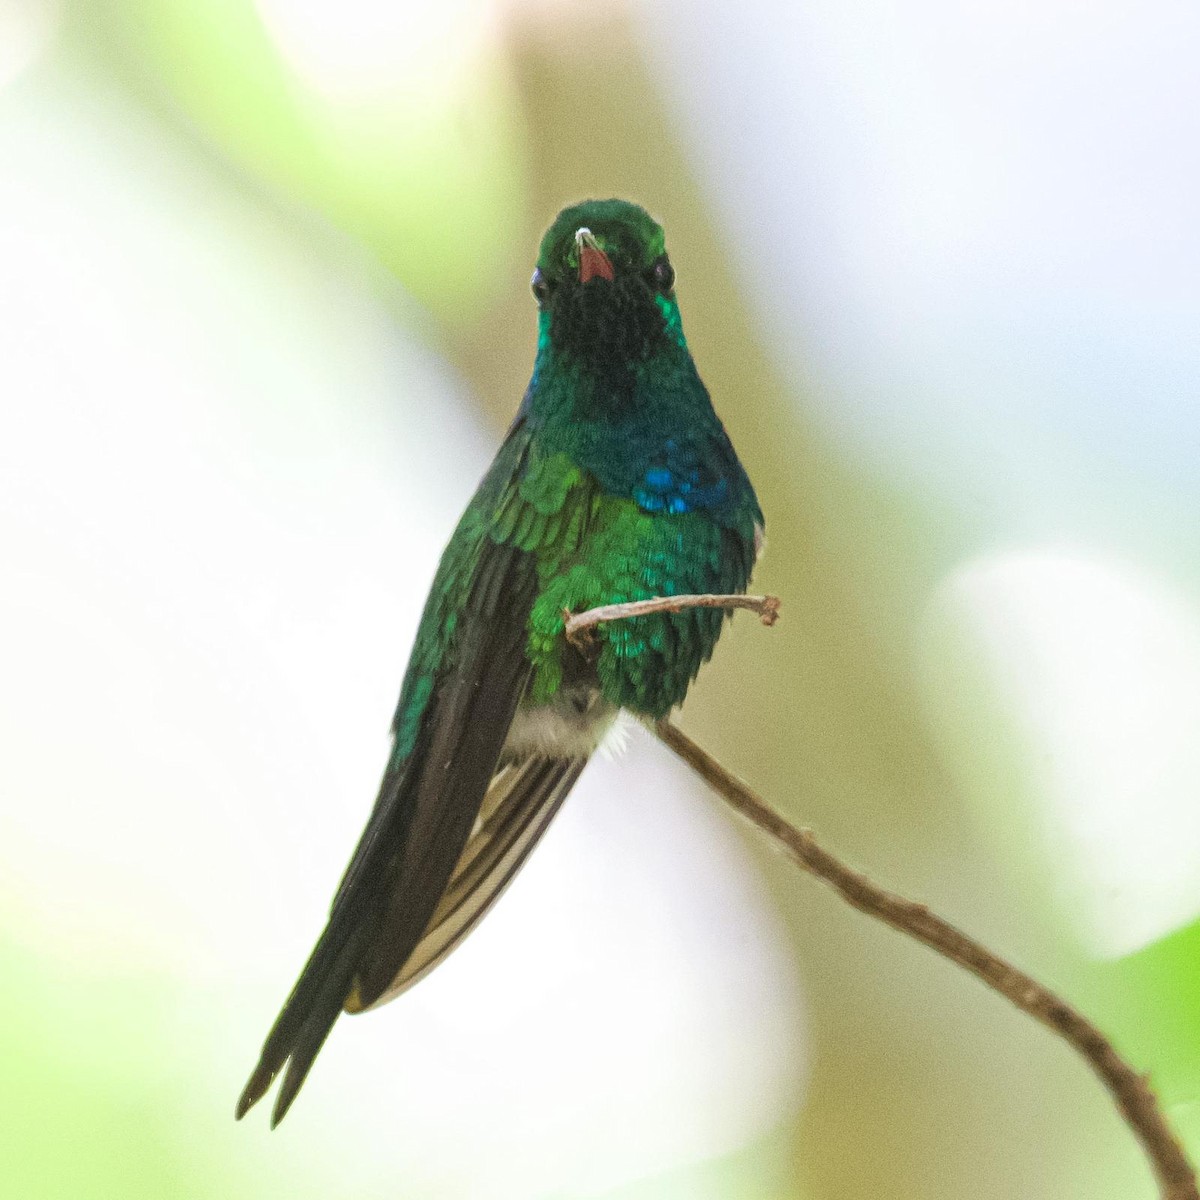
(615, 482)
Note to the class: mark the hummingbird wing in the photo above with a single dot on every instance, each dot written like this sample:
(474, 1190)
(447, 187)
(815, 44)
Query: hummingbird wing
(467, 673)
(520, 804)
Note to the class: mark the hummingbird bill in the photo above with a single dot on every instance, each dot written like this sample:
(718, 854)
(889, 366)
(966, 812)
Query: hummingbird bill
(615, 482)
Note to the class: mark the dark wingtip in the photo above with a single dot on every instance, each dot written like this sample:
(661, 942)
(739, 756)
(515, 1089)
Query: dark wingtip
(368, 990)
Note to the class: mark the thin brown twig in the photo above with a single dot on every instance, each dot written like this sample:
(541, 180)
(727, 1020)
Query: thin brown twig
(578, 624)
(1131, 1092)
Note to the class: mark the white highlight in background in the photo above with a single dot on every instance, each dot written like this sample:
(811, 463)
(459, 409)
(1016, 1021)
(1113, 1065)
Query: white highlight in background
(27, 27)
(1091, 671)
(358, 47)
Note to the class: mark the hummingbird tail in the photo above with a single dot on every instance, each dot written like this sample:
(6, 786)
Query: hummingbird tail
(304, 1024)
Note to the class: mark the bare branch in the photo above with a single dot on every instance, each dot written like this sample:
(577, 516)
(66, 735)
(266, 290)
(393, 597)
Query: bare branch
(1131, 1091)
(577, 624)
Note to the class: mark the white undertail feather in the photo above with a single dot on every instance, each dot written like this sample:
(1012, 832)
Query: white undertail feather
(572, 725)
(616, 741)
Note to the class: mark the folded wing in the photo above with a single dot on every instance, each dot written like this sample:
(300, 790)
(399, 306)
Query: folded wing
(468, 672)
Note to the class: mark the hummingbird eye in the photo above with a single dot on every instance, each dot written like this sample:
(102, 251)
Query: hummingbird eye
(662, 275)
(541, 287)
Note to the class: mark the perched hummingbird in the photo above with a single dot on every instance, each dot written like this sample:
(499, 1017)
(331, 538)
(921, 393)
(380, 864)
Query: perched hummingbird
(615, 482)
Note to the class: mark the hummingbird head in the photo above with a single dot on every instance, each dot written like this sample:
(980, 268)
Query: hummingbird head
(605, 287)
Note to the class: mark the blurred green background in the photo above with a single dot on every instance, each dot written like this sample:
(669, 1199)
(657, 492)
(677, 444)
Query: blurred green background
(264, 315)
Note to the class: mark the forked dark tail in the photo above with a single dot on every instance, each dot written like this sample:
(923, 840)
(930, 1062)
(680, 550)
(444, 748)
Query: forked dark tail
(307, 1017)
